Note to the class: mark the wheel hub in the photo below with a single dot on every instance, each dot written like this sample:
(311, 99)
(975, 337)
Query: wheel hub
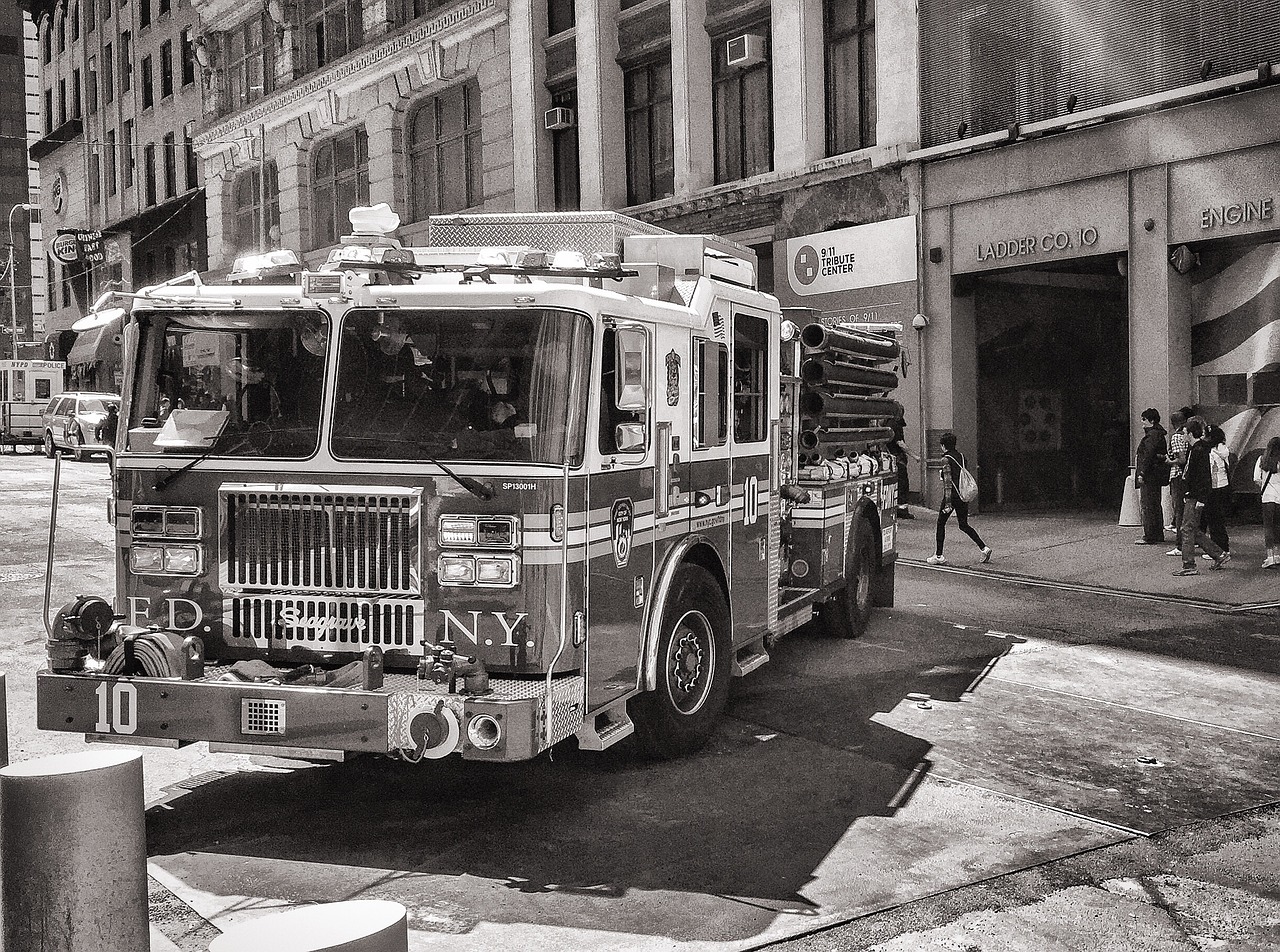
(687, 662)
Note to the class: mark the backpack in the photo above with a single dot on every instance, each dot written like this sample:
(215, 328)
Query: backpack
(966, 485)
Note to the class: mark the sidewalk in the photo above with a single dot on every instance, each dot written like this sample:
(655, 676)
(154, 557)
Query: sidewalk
(1089, 549)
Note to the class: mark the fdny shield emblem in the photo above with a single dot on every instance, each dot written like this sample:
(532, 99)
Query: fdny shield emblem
(673, 379)
(620, 527)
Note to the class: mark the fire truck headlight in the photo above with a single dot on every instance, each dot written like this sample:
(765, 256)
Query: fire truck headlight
(457, 532)
(182, 522)
(484, 732)
(146, 558)
(457, 570)
(147, 520)
(182, 559)
(500, 571)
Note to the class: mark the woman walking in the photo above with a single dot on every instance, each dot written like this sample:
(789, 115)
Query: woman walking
(951, 501)
(1215, 513)
(1267, 475)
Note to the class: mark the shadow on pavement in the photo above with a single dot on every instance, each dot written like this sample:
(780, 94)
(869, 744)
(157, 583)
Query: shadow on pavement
(751, 818)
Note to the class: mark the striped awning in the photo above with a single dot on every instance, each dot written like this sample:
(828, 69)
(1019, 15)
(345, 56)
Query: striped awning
(95, 345)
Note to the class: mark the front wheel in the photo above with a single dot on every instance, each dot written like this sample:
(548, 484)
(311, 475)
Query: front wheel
(680, 716)
(849, 610)
(49, 449)
(76, 444)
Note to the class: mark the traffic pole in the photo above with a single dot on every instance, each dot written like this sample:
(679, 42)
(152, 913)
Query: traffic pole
(73, 867)
(4, 723)
(359, 925)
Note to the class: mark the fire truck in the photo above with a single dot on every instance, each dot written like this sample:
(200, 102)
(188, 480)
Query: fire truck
(546, 476)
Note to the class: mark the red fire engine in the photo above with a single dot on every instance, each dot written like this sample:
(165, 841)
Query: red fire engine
(549, 475)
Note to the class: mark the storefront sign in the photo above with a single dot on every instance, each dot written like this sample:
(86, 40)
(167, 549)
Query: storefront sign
(1224, 196)
(77, 245)
(1044, 243)
(866, 273)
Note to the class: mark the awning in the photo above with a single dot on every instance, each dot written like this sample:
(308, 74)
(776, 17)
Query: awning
(95, 345)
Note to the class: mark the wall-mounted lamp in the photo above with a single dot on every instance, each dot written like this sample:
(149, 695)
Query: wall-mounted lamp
(1072, 101)
(962, 130)
(1206, 68)
(1183, 259)
(935, 255)
(920, 322)
(204, 56)
(1012, 131)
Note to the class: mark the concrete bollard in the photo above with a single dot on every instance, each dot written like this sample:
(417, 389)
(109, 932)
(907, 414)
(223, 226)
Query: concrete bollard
(360, 925)
(73, 853)
(1130, 505)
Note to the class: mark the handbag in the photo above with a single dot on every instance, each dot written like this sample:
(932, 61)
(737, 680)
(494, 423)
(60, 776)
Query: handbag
(966, 485)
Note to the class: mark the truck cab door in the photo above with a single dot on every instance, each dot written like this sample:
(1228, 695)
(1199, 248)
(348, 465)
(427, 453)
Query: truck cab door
(709, 471)
(751, 472)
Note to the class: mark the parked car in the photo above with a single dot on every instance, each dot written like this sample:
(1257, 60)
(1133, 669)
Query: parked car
(73, 421)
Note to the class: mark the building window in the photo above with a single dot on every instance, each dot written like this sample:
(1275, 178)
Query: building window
(409, 10)
(126, 153)
(444, 140)
(111, 161)
(62, 101)
(742, 104)
(332, 28)
(247, 198)
(95, 179)
(75, 22)
(108, 72)
(126, 61)
(46, 45)
(651, 167)
(148, 91)
(188, 59)
(75, 94)
(144, 13)
(851, 74)
(164, 7)
(189, 153)
(65, 282)
(340, 181)
(48, 111)
(249, 61)
(166, 69)
(62, 31)
(170, 146)
(149, 172)
(559, 16)
(90, 16)
(91, 88)
(564, 156)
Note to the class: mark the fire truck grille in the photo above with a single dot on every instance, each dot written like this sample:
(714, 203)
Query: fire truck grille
(328, 624)
(321, 541)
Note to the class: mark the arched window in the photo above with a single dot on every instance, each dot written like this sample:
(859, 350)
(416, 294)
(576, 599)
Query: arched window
(339, 181)
(445, 167)
(247, 197)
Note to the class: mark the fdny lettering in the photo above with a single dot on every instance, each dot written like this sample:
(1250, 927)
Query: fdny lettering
(140, 612)
(472, 631)
(292, 618)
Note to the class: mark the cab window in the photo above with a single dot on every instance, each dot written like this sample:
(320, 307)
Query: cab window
(749, 355)
(711, 404)
(619, 385)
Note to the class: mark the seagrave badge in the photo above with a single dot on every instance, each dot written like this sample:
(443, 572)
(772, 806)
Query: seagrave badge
(673, 379)
(620, 526)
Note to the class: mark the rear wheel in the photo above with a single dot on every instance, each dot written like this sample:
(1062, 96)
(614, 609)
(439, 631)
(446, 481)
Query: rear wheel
(680, 716)
(846, 614)
(49, 449)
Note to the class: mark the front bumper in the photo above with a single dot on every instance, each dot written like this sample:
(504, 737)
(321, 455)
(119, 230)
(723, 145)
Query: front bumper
(394, 718)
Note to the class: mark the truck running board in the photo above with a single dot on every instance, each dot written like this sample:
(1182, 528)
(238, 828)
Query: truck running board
(605, 728)
(288, 753)
(748, 658)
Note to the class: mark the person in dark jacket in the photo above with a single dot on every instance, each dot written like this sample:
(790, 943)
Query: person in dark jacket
(1198, 489)
(953, 462)
(1151, 472)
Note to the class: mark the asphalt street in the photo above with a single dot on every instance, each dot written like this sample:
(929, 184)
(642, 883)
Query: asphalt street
(992, 767)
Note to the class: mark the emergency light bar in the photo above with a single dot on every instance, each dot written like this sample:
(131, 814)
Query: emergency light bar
(272, 264)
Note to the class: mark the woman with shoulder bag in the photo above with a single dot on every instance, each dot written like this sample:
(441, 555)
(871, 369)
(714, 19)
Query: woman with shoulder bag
(954, 473)
(1266, 473)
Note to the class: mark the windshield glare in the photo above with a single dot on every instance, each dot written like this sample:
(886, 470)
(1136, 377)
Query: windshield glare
(460, 385)
(253, 381)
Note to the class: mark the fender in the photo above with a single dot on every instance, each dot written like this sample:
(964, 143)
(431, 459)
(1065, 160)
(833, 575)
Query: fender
(867, 510)
(658, 605)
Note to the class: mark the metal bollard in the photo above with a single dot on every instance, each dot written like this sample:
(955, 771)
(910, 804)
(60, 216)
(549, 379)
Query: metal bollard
(73, 866)
(359, 925)
(4, 723)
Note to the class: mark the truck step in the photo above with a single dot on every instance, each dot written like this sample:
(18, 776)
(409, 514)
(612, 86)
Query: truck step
(605, 728)
(749, 658)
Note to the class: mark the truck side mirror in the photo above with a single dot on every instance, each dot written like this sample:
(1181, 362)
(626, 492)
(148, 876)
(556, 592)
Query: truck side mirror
(632, 379)
(630, 437)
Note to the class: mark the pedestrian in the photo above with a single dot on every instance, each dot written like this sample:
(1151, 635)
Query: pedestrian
(954, 462)
(1151, 473)
(1197, 484)
(1215, 513)
(1266, 473)
(1179, 445)
(898, 449)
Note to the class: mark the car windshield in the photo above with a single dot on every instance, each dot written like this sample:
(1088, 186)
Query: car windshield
(95, 405)
(243, 383)
(461, 385)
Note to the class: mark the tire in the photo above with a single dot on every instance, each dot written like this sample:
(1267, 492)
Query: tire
(680, 716)
(848, 611)
(76, 444)
(49, 449)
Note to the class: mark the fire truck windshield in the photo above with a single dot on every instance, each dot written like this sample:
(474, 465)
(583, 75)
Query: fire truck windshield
(244, 383)
(462, 385)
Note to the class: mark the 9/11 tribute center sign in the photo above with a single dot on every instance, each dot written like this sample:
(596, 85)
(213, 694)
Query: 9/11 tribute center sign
(865, 274)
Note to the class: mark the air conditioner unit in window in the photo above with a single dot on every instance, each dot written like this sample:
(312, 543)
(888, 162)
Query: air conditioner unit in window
(745, 50)
(559, 118)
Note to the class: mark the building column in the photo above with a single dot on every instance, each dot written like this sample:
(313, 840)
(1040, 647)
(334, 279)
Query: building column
(1159, 305)
(215, 195)
(291, 172)
(897, 73)
(691, 112)
(527, 28)
(380, 127)
(602, 173)
(799, 107)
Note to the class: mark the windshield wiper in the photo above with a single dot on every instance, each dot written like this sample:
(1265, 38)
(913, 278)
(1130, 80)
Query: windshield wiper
(170, 475)
(474, 486)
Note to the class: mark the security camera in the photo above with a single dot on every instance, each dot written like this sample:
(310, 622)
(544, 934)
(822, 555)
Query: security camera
(920, 322)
